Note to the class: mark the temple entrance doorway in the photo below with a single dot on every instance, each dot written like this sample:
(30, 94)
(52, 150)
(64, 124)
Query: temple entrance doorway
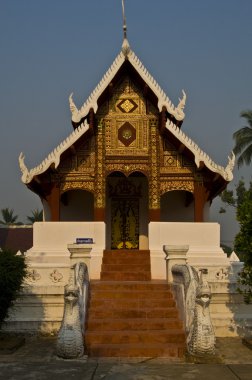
(127, 211)
(124, 223)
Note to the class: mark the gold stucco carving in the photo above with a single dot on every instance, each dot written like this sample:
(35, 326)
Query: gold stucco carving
(127, 168)
(175, 184)
(100, 175)
(172, 161)
(77, 185)
(81, 161)
(154, 192)
(127, 105)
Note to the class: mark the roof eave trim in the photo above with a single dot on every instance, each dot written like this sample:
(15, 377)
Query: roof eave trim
(163, 100)
(53, 158)
(127, 53)
(92, 100)
(201, 156)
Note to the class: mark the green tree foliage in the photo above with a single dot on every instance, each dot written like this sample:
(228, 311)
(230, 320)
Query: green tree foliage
(242, 201)
(243, 240)
(12, 274)
(8, 217)
(37, 216)
(229, 199)
(243, 140)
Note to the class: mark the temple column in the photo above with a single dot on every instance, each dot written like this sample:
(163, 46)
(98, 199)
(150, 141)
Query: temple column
(54, 203)
(200, 196)
(100, 183)
(154, 179)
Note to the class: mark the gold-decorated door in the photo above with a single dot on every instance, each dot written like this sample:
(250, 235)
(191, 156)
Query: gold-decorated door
(124, 223)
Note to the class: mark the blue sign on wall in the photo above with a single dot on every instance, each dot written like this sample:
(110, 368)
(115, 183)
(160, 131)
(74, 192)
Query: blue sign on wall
(84, 241)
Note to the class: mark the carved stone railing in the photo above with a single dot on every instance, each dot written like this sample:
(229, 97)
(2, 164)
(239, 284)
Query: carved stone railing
(70, 342)
(193, 297)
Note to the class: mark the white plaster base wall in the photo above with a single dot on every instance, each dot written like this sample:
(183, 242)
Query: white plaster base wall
(203, 240)
(39, 310)
(230, 315)
(41, 306)
(50, 240)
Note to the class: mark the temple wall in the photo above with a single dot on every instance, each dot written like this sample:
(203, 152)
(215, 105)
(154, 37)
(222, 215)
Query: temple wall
(203, 240)
(58, 234)
(79, 206)
(173, 207)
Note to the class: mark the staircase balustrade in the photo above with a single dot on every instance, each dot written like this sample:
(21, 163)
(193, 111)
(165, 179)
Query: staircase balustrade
(193, 297)
(70, 342)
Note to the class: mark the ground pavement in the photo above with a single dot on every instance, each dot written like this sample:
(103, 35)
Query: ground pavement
(36, 359)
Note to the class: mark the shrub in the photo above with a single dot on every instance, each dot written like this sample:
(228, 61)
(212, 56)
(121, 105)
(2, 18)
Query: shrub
(12, 274)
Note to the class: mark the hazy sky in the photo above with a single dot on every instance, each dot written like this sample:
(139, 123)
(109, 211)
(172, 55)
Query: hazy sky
(50, 48)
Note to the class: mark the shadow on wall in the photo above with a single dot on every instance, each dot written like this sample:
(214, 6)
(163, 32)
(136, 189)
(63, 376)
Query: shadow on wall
(26, 315)
(241, 322)
(37, 311)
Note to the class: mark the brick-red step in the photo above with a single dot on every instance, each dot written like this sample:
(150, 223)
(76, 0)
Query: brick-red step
(129, 315)
(133, 319)
(126, 265)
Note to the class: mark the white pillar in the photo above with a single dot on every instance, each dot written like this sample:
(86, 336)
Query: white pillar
(175, 254)
(80, 253)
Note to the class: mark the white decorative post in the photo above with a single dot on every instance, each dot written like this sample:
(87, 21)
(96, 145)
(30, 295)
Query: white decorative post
(80, 253)
(175, 254)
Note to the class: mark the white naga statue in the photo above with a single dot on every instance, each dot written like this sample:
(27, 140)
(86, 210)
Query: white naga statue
(70, 342)
(196, 294)
(202, 339)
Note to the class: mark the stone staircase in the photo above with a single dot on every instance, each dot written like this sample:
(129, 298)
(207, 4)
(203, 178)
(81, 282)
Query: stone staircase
(129, 315)
(126, 265)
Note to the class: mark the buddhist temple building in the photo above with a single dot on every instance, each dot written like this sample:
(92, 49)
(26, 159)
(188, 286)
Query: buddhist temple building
(126, 184)
(127, 161)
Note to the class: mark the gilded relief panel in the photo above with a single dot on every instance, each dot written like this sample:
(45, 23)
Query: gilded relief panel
(77, 170)
(126, 121)
(172, 161)
(77, 185)
(81, 160)
(177, 184)
(176, 171)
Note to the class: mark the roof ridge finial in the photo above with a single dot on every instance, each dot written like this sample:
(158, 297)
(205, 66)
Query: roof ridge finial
(124, 22)
(125, 45)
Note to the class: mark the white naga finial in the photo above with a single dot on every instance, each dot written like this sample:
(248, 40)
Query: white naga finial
(23, 167)
(125, 45)
(73, 107)
(182, 101)
(230, 167)
(74, 110)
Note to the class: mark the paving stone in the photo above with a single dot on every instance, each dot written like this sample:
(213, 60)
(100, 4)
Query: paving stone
(37, 359)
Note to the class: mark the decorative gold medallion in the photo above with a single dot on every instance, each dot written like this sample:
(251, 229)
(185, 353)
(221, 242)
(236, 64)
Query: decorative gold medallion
(126, 133)
(127, 105)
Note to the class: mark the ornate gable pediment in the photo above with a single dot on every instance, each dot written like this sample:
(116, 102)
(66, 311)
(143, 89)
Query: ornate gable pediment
(80, 160)
(172, 160)
(126, 116)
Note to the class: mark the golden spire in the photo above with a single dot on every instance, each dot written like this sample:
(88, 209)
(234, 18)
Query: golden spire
(125, 45)
(124, 22)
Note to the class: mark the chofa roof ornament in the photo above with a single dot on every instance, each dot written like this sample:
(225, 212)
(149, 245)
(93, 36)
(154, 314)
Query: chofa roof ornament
(74, 110)
(182, 102)
(125, 44)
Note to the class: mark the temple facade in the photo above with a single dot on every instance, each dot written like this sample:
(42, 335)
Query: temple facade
(127, 163)
(127, 178)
